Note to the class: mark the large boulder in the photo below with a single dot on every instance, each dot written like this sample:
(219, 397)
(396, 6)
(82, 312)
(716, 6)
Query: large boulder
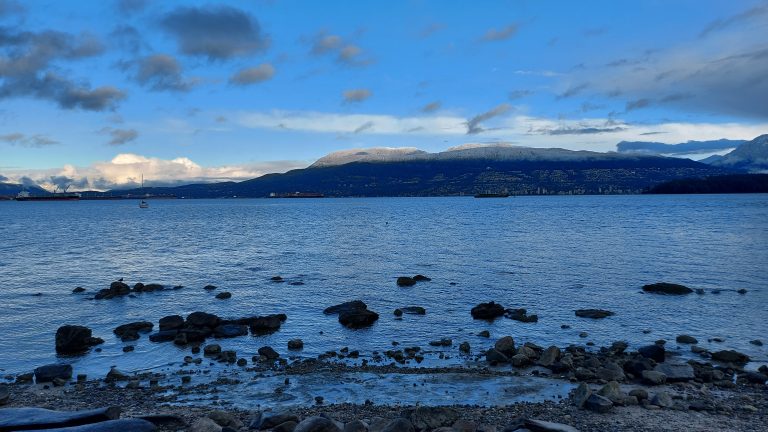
(676, 372)
(730, 356)
(171, 322)
(230, 331)
(317, 424)
(48, 373)
(667, 288)
(74, 339)
(202, 319)
(487, 311)
(686, 339)
(593, 313)
(269, 420)
(358, 318)
(598, 404)
(130, 332)
(101, 419)
(405, 281)
(428, 418)
(345, 307)
(550, 356)
(654, 352)
(398, 425)
(506, 346)
(163, 336)
(493, 356)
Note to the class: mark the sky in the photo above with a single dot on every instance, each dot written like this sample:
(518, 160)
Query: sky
(93, 94)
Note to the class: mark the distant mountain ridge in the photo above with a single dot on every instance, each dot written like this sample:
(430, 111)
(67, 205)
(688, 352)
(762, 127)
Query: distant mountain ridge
(464, 170)
(750, 156)
(686, 148)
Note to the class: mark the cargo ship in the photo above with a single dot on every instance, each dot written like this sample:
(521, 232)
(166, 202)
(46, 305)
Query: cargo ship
(62, 196)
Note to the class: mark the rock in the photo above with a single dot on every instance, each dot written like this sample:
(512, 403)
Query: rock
(752, 377)
(269, 353)
(356, 426)
(654, 377)
(580, 395)
(598, 404)
(756, 342)
(205, 425)
(464, 348)
(288, 426)
(487, 311)
(685, 339)
(520, 360)
(534, 425)
(212, 350)
(421, 278)
(130, 332)
(612, 391)
(742, 291)
(74, 339)
(358, 319)
(398, 425)
(521, 315)
(427, 418)
(5, 394)
(593, 313)
(494, 356)
(345, 307)
(610, 372)
(163, 336)
(224, 295)
(484, 333)
(676, 372)
(444, 342)
(317, 424)
(78, 290)
(654, 352)
(115, 375)
(39, 418)
(506, 346)
(667, 288)
(264, 324)
(662, 399)
(50, 372)
(550, 356)
(209, 287)
(295, 344)
(202, 319)
(730, 356)
(398, 312)
(269, 420)
(405, 281)
(639, 393)
(230, 331)
(133, 425)
(225, 419)
(413, 310)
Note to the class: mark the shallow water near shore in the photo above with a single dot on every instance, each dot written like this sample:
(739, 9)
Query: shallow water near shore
(550, 255)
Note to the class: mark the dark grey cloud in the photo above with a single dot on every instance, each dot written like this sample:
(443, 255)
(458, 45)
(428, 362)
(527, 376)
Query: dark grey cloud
(63, 182)
(346, 53)
(573, 91)
(131, 6)
(588, 106)
(253, 75)
(10, 7)
(589, 130)
(356, 95)
(215, 32)
(119, 137)
(686, 148)
(519, 94)
(353, 55)
(474, 124)
(20, 139)
(431, 29)
(637, 104)
(364, 127)
(500, 34)
(161, 72)
(432, 107)
(757, 12)
(128, 38)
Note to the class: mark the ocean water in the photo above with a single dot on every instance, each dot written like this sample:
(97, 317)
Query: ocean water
(551, 255)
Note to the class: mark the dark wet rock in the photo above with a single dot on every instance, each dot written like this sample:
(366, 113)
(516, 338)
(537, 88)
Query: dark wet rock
(676, 372)
(225, 419)
(428, 418)
(730, 356)
(756, 342)
(356, 426)
(39, 418)
(205, 425)
(534, 425)
(610, 372)
(485, 334)
(612, 391)
(444, 342)
(487, 311)
(74, 339)
(618, 348)
(521, 315)
(295, 344)
(212, 350)
(5, 394)
(398, 425)
(261, 325)
(506, 346)
(398, 312)
(598, 404)
(224, 295)
(129, 348)
(171, 322)
(78, 290)
(130, 332)
(662, 399)
(358, 319)
(752, 377)
(654, 352)
(153, 287)
(317, 424)
(202, 319)
(421, 278)
(742, 291)
(654, 377)
(494, 356)
(269, 353)
(209, 287)
(593, 313)
(413, 310)
(269, 420)
(345, 307)
(163, 336)
(230, 331)
(685, 339)
(405, 281)
(465, 348)
(580, 395)
(667, 288)
(520, 360)
(116, 375)
(277, 279)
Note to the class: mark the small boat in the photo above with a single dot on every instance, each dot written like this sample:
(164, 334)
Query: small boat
(492, 195)
(143, 204)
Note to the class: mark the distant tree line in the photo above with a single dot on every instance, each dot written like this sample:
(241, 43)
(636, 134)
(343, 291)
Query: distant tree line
(732, 183)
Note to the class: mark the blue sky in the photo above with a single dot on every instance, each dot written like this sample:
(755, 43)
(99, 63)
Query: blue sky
(101, 91)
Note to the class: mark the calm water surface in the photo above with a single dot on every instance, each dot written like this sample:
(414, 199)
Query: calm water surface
(550, 255)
